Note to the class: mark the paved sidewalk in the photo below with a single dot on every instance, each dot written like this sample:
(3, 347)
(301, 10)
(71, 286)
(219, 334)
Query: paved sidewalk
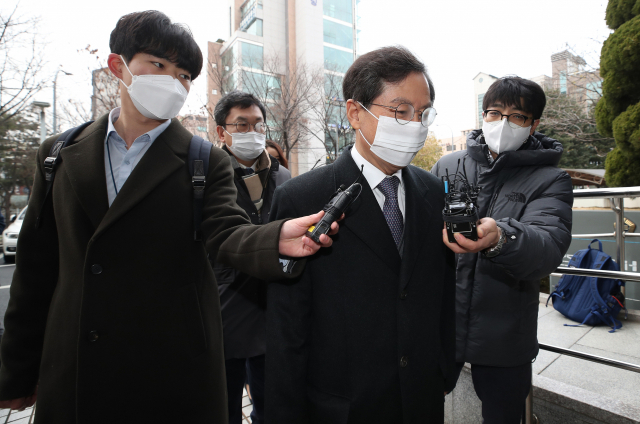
(610, 382)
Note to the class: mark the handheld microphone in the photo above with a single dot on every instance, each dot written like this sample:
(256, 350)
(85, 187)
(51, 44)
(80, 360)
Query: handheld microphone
(338, 204)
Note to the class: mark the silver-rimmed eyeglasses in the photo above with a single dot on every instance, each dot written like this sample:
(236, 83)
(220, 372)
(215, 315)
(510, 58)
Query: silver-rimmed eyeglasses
(405, 112)
(243, 127)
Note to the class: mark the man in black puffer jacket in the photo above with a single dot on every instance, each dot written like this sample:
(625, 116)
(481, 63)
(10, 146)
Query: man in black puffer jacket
(525, 205)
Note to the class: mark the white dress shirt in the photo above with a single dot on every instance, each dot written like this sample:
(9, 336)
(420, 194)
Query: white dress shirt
(374, 176)
(120, 161)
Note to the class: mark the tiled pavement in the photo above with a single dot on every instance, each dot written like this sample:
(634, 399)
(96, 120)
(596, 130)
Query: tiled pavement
(16, 417)
(247, 407)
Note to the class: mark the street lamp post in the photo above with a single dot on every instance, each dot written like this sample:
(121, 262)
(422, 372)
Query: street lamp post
(55, 114)
(43, 126)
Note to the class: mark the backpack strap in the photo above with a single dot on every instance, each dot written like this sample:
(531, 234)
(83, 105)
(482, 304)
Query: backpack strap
(54, 159)
(199, 151)
(599, 244)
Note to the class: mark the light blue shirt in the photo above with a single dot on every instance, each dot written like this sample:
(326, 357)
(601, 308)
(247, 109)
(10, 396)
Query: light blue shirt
(123, 160)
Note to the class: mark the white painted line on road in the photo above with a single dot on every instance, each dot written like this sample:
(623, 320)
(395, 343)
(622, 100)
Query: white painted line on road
(5, 287)
(2, 266)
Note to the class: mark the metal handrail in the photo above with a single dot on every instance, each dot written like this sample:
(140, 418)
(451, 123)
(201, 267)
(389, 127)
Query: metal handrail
(617, 196)
(615, 193)
(619, 275)
(601, 235)
(589, 357)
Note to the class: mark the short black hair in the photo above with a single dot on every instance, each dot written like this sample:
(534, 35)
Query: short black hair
(153, 33)
(236, 98)
(516, 92)
(366, 77)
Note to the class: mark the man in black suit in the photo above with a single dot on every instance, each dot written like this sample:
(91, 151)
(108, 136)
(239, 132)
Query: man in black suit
(367, 334)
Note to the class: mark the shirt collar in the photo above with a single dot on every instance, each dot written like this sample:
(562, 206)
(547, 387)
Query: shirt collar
(373, 175)
(153, 134)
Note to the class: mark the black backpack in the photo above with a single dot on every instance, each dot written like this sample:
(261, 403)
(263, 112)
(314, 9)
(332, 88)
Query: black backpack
(198, 162)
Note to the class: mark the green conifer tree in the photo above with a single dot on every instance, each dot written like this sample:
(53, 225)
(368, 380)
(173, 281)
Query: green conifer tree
(618, 112)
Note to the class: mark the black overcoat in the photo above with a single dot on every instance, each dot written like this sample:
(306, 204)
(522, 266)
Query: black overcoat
(364, 336)
(114, 311)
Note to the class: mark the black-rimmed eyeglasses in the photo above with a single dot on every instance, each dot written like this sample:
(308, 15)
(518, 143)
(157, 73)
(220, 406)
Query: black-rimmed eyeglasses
(515, 120)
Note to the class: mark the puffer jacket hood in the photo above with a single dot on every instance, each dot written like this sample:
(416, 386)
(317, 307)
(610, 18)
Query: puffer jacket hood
(538, 150)
(530, 199)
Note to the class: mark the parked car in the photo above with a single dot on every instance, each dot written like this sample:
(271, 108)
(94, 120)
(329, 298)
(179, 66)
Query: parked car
(10, 237)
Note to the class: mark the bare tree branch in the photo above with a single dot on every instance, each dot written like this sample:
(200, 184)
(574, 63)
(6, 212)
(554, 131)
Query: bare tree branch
(21, 62)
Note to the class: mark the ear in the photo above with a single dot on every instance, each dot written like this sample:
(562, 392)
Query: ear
(221, 134)
(534, 126)
(116, 65)
(353, 114)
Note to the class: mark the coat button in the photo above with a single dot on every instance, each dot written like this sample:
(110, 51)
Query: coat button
(403, 295)
(96, 269)
(403, 361)
(93, 336)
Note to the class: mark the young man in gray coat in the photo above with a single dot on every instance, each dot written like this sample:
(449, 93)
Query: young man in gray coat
(525, 205)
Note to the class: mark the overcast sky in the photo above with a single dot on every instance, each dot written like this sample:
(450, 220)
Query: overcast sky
(455, 38)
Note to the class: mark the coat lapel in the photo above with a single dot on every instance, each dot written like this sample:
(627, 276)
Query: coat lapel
(84, 165)
(365, 218)
(165, 156)
(418, 212)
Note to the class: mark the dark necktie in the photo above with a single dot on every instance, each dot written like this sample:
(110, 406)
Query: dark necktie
(247, 171)
(391, 210)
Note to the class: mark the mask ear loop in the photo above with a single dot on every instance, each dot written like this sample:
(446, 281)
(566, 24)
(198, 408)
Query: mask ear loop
(363, 137)
(130, 73)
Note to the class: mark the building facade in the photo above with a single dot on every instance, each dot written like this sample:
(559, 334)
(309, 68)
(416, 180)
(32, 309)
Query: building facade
(282, 51)
(570, 76)
(106, 92)
(481, 83)
(454, 144)
(195, 124)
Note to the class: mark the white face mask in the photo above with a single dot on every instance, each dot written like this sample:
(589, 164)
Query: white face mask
(247, 146)
(500, 137)
(156, 96)
(395, 143)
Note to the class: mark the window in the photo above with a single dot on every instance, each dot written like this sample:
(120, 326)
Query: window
(338, 34)
(264, 87)
(229, 58)
(563, 82)
(248, 5)
(480, 98)
(337, 60)
(255, 28)
(333, 87)
(338, 9)
(594, 90)
(214, 92)
(252, 56)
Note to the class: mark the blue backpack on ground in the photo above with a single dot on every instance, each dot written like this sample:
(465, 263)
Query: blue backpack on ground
(590, 300)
